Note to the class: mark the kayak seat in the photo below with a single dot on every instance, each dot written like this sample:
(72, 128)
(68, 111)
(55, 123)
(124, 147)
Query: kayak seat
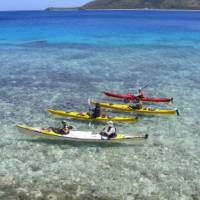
(103, 115)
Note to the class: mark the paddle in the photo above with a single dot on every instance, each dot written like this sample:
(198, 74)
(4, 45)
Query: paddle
(89, 124)
(68, 125)
(89, 103)
(146, 85)
(177, 112)
(141, 136)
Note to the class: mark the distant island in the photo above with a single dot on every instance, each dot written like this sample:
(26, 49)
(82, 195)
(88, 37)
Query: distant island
(63, 8)
(142, 4)
(135, 4)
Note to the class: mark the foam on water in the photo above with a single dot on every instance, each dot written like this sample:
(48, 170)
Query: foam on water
(41, 74)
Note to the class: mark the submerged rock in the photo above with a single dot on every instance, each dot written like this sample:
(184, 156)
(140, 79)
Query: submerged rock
(22, 194)
(7, 182)
(51, 197)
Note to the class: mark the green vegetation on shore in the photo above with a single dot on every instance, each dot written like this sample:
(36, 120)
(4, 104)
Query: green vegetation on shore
(134, 4)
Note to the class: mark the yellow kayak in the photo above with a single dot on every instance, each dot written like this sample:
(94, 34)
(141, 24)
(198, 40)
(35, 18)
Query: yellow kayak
(85, 116)
(144, 110)
(80, 136)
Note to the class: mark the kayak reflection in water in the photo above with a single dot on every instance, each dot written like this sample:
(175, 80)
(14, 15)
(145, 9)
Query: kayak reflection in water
(109, 131)
(136, 104)
(96, 112)
(64, 129)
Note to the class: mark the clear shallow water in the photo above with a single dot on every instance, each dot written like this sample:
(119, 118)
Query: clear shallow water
(58, 60)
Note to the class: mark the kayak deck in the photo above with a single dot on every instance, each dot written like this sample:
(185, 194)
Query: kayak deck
(85, 116)
(144, 110)
(77, 135)
(130, 96)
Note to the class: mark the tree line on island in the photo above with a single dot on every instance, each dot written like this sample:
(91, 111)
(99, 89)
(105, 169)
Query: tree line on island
(136, 4)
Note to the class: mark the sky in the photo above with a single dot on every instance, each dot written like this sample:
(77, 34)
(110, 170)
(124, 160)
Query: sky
(37, 4)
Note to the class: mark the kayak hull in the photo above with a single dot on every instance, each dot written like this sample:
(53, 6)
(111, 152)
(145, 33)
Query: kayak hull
(85, 116)
(144, 110)
(130, 96)
(79, 136)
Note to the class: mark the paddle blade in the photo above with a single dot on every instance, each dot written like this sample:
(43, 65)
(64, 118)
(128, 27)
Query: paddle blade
(90, 124)
(146, 85)
(89, 102)
(177, 112)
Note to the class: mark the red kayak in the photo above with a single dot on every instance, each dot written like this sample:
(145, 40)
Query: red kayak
(130, 96)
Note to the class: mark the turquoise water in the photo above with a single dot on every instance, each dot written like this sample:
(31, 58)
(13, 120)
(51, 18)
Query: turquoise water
(58, 60)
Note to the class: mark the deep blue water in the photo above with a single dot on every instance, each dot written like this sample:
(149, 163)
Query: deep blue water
(59, 60)
(100, 27)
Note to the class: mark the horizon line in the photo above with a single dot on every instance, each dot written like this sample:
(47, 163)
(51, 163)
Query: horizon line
(144, 9)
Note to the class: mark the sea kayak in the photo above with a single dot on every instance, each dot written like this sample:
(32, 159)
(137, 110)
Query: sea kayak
(130, 96)
(85, 116)
(86, 136)
(144, 110)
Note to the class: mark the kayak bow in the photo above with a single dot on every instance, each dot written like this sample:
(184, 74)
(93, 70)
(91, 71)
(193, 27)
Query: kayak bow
(144, 110)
